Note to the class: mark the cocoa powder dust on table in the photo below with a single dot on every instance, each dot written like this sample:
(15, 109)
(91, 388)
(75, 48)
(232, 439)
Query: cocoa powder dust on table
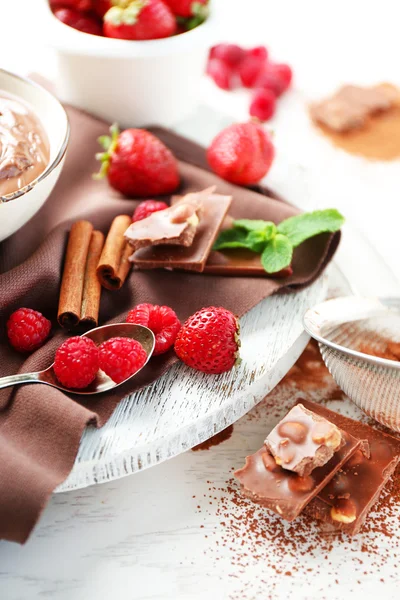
(378, 139)
(260, 551)
(215, 440)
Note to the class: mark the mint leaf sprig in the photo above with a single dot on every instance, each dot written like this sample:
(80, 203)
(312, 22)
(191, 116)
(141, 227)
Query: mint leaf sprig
(276, 243)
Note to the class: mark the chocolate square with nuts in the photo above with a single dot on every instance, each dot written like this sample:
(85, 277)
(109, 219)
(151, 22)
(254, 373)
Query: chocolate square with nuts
(303, 441)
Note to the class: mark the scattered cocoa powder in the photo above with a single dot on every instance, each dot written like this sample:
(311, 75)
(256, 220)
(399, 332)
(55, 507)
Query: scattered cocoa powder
(215, 440)
(310, 373)
(379, 139)
(252, 538)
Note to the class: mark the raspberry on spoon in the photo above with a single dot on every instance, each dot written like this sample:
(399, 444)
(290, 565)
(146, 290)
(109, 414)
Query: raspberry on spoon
(76, 362)
(27, 329)
(121, 357)
(162, 321)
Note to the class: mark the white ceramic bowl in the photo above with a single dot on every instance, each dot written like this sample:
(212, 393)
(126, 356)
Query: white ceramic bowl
(17, 208)
(135, 83)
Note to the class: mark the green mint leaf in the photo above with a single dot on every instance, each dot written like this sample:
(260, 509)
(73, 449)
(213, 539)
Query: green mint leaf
(256, 241)
(239, 238)
(254, 224)
(231, 238)
(277, 254)
(301, 227)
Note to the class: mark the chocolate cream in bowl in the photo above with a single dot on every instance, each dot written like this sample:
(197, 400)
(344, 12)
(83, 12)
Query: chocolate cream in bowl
(24, 147)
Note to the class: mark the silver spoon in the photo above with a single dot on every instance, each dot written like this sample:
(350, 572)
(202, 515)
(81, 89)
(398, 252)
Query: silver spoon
(102, 383)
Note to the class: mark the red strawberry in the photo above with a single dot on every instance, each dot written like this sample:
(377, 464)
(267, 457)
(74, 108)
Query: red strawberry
(140, 20)
(186, 8)
(221, 73)
(137, 163)
(242, 153)
(209, 340)
(230, 54)
(81, 21)
(100, 7)
(147, 208)
(263, 105)
(81, 5)
(162, 321)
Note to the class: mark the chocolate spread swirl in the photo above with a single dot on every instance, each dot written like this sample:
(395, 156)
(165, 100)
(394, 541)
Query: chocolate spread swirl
(24, 147)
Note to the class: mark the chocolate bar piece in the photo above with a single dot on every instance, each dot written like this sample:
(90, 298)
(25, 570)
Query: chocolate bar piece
(285, 492)
(345, 501)
(303, 441)
(176, 225)
(351, 105)
(194, 257)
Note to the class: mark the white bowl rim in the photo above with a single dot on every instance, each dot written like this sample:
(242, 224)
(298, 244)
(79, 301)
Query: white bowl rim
(71, 41)
(61, 150)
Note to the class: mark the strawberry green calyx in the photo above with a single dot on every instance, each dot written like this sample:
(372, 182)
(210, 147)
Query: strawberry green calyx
(109, 144)
(200, 13)
(125, 12)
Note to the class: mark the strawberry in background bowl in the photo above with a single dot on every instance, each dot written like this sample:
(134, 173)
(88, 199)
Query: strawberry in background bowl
(140, 68)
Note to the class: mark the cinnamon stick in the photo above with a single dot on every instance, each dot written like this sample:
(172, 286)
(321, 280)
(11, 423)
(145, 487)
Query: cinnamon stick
(91, 286)
(114, 266)
(70, 303)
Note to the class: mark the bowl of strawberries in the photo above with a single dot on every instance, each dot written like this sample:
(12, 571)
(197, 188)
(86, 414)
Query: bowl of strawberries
(139, 59)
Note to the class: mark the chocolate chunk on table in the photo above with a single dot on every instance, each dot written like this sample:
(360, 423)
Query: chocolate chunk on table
(194, 257)
(303, 441)
(346, 500)
(286, 492)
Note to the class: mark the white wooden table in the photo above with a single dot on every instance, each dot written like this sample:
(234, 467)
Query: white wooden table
(144, 537)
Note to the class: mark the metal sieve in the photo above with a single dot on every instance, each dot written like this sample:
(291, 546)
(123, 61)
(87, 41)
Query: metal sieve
(349, 330)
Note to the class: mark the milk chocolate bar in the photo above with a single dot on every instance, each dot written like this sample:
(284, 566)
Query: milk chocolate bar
(194, 257)
(303, 441)
(351, 105)
(345, 501)
(286, 492)
(176, 225)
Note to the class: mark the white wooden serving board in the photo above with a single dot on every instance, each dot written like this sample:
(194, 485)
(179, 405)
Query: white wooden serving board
(186, 407)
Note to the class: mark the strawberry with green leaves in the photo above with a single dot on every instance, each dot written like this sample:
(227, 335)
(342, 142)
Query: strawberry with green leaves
(275, 243)
(139, 20)
(137, 163)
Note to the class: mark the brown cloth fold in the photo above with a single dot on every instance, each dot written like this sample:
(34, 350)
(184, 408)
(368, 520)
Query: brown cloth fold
(40, 427)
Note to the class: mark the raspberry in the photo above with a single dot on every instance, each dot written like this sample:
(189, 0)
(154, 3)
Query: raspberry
(146, 208)
(76, 362)
(250, 69)
(285, 73)
(275, 78)
(230, 54)
(221, 73)
(262, 105)
(121, 357)
(27, 329)
(162, 321)
(258, 52)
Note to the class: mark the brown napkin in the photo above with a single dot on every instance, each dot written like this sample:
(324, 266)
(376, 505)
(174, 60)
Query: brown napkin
(40, 427)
